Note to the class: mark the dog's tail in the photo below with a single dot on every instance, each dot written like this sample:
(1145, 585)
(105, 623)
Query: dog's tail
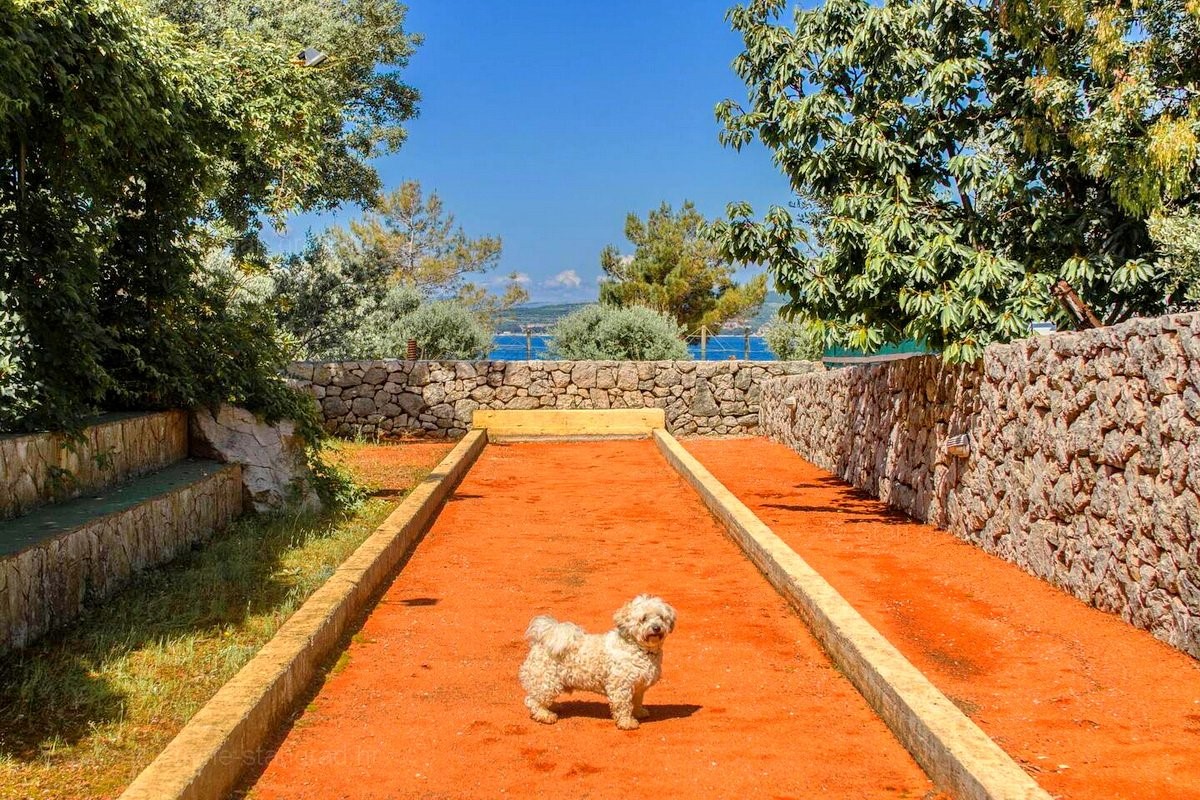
(557, 637)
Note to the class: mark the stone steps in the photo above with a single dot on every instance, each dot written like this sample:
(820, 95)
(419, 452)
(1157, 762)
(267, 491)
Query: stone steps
(41, 468)
(123, 498)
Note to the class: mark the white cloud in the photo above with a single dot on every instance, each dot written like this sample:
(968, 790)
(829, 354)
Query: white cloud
(521, 278)
(567, 279)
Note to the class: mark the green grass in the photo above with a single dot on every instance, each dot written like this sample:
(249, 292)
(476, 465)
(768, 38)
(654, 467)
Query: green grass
(84, 710)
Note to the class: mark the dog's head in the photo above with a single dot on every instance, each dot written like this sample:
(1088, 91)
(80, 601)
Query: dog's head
(646, 620)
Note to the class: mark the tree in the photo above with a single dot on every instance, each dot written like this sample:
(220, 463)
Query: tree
(364, 101)
(1107, 111)
(677, 270)
(415, 238)
(373, 328)
(942, 188)
(607, 333)
(380, 327)
(124, 144)
(1177, 238)
(320, 299)
(492, 308)
(346, 294)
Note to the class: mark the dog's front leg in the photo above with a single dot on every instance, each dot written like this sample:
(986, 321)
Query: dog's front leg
(639, 710)
(620, 701)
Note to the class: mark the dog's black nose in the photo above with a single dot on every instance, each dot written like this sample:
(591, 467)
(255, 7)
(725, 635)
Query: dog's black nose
(656, 629)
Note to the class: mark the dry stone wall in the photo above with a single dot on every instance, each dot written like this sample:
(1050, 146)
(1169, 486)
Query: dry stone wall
(40, 468)
(437, 398)
(1084, 466)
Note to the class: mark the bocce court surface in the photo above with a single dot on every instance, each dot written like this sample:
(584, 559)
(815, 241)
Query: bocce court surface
(425, 702)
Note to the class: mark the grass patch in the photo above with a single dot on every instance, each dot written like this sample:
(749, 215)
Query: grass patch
(85, 709)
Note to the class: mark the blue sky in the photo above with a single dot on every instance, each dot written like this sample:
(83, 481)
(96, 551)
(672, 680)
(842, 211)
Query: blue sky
(545, 123)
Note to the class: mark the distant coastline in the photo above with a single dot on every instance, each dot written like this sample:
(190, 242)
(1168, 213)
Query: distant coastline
(518, 347)
(546, 314)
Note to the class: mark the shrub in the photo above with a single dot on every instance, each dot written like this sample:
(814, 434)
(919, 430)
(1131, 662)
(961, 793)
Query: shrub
(442, 329)
(446, 329)
(604, 333)
(1178, 239)
(794, 341)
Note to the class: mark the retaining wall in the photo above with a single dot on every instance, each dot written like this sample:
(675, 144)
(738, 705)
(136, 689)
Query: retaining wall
(436, 398)
(1084, 467)
(41, 468)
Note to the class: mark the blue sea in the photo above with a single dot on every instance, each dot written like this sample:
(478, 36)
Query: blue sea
(513, 347)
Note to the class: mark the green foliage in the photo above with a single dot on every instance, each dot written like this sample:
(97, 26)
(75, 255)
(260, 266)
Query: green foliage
(334, 484)
(606, 333)
(677, 270)
(381, 328)
(363, 292)
(1178, 240)
(15, 390)
(414, 238)
(952, 160)
(494, 309)
(319, 125)
(320, 299)
(122, 142)
(794, 340)
(1114, 91)
(446, 329)
(376, 332)
(410, 239)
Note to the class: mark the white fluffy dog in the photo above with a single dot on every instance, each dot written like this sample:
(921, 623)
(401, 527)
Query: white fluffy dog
(621, 664)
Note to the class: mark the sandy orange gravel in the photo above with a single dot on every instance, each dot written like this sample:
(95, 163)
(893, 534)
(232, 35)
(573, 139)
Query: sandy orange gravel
(1089, 705)
(427, 704)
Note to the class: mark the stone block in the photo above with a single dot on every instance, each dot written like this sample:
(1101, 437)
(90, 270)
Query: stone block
(274, 465)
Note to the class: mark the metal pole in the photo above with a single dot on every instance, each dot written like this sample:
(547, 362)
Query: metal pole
(528, 343)
(703, 343)
(747, 348)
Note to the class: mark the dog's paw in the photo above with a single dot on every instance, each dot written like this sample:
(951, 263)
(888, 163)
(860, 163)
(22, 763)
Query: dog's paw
(630, 724)
(543, 716)
(641, 713)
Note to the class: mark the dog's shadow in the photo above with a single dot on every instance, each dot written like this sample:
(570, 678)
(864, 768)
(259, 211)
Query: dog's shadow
(599, 710)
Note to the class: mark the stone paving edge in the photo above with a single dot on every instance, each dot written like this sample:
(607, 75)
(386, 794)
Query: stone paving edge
(231, 733)
(956, 754)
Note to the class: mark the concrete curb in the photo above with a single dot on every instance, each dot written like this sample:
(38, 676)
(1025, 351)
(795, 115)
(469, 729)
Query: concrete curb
(952, 750)
(230, 733)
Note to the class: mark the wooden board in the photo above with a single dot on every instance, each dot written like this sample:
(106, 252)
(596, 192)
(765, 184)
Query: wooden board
(555, 423)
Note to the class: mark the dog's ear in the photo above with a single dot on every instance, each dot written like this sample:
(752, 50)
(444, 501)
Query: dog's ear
(623, 618)
(670, 618)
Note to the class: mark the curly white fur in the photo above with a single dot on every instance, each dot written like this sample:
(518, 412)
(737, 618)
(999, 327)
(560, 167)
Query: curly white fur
(620, 664)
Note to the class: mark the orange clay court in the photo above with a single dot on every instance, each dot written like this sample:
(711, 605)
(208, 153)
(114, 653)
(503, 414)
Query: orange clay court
(428, 704)
(425, 703)
(1090, 706)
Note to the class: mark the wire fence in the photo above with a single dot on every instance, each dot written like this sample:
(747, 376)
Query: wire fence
(533, 344)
